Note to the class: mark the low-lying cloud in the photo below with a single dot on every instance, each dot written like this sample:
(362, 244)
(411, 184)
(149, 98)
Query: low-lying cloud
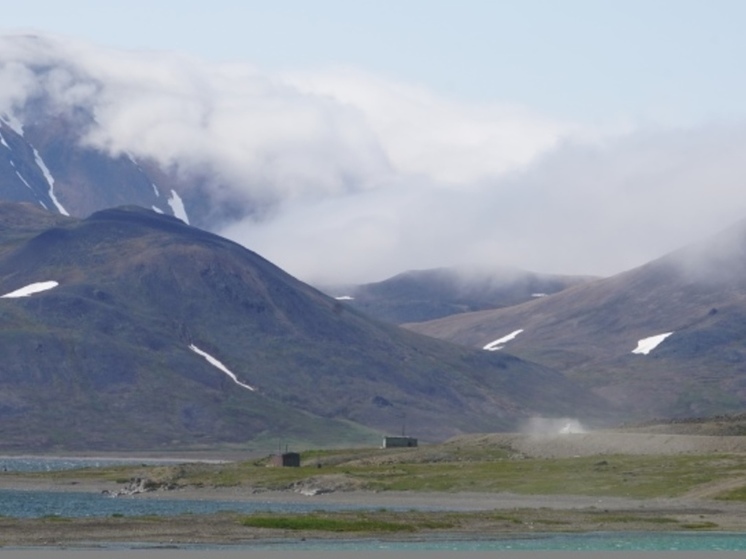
(361, 177)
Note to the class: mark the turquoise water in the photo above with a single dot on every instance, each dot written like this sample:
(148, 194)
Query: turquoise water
(38, 464)
(601, 542)
(616, 541)
(37, 504)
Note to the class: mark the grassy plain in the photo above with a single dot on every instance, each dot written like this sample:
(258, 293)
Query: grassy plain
(451, 468)
(626, 492)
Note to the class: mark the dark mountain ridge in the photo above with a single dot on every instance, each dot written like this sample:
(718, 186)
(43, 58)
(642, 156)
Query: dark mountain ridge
(420, 295)
(115, 356)
(44, 160)
(696, 294)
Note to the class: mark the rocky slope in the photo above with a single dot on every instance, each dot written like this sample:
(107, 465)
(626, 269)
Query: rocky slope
(663, 340)
(155, 333)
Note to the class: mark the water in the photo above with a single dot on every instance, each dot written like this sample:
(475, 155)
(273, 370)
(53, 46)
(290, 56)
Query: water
(38, 504)
(597, 542)
(39, 464)
(600, 542)
(549, 542)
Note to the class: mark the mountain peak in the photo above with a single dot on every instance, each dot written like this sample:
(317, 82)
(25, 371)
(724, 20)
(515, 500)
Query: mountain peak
(663, 339)
(112, 348)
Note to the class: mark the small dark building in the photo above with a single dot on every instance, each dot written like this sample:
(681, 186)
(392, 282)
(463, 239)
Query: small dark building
(399, 442)
(286, 460)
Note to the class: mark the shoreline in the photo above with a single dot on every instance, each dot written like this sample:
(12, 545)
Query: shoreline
(426, 500)
(447, 516)
(335, 506)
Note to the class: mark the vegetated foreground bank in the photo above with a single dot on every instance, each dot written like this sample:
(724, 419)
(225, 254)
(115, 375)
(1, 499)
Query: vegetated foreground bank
(487, 485)
(233, 529)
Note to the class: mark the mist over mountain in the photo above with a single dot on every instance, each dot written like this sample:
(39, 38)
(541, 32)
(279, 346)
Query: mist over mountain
(341, 176)
(46, 159)
(667, 339)
(421, 295)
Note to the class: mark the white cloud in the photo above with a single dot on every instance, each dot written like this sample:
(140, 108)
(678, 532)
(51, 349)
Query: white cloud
(426, 134)
(582, 208)
(367, 177)
(17, 80)
(249, 131)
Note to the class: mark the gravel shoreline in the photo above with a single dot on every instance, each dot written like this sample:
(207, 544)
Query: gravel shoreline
(474, 515)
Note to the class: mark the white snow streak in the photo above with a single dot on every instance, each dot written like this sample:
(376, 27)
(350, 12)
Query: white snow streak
(23, 180)
(2, 141)
(538, 295)
(50, 180)
(646, 345)
(345, 298)
(215, 363)
(157, 210)
(155, 189)
(177, 205)
(500, 342)
(30, 289)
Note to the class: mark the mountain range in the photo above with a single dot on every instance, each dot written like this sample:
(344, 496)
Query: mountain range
(44, 161)
(128, 324)
(666, 339)
(130, 329)
(421, 295)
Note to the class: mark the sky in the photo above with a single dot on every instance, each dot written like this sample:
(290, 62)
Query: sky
(579, 137)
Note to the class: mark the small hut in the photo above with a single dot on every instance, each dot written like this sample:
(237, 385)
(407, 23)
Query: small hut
(399, 442)
(285, 460)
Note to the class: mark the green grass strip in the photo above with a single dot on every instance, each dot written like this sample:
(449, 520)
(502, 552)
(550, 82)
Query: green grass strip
(325, 524)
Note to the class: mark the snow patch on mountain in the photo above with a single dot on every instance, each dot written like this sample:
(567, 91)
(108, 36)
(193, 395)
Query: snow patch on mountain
(157, 209)
(345, 298)
(177, 205)
(217, 364)
(50, 180)
(500, 342)
(646, 345)
(23, 180)
(3, 142)
(30, 289)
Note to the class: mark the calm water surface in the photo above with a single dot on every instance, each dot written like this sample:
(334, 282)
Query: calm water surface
(616, 541)
(599, 542)
(38, 504)
(44, 464)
